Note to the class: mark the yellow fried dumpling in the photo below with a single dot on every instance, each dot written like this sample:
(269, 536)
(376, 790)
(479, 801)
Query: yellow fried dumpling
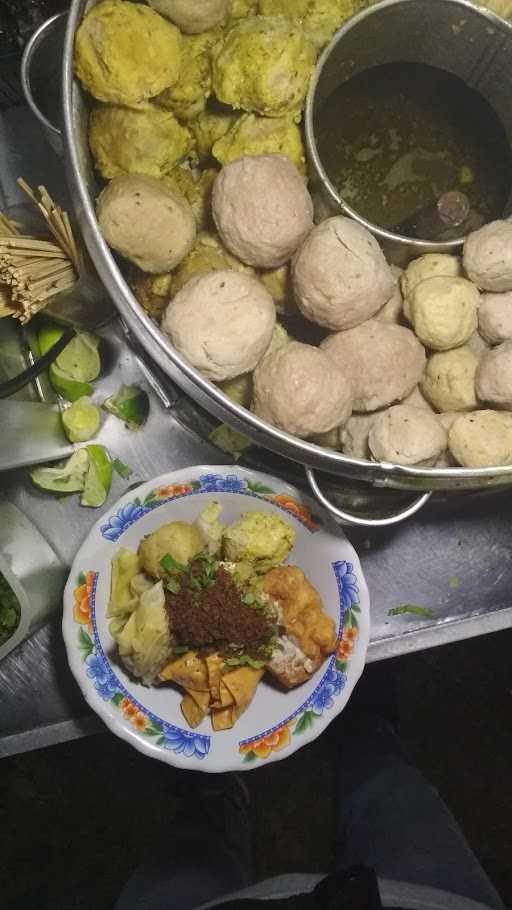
(126, 53)
(241, 9)
(149, 141)
(264, 66)
(197, 189)
(152, 292)
(208, 255)
(187, 98)
(208, 128)
(255, 135)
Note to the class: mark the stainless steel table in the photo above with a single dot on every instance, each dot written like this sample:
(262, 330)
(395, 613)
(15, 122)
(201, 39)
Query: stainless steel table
(455, 559)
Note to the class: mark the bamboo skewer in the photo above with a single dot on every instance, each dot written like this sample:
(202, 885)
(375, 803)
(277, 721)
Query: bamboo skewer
(34, 270)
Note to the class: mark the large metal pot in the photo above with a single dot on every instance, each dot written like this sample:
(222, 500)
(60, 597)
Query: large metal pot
(84, 189)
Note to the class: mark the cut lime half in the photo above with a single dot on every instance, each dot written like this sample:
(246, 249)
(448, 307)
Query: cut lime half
(81, 420)
(80, 359)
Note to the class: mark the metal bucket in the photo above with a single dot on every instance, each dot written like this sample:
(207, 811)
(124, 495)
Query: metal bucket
(384, 475)
(453, 35)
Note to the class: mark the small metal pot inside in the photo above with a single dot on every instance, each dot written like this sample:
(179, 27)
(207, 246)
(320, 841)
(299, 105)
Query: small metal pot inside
(454, 36)
(84, 189)
(41, 77)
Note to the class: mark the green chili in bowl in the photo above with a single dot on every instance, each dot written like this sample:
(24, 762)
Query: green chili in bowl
(10, 611)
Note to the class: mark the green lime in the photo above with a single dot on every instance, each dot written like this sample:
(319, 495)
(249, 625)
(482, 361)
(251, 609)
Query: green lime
(103, 463)
(66, 478)
(69, 388)
(130, 404)
(81, 420)
(47, 336)
(80, 359)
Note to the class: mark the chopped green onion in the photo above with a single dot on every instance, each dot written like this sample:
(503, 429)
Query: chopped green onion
(424, 612)
(173, 586)
(170, 564)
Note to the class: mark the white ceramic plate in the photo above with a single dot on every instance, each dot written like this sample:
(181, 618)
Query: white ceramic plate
(276, 723)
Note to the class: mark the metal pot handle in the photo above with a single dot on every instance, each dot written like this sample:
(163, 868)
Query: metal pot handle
(349, 519)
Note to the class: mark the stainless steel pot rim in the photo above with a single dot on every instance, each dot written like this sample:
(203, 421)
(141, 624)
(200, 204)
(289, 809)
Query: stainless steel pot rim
(26, 64)
(204, 392)
(421, 246)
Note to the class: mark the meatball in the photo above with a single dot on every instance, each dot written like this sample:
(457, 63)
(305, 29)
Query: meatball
(449, 380)
(494, 376)
(444, 312)
(495, 317)
(262, 209)
(431, 265)
(255, 135)
(300, 390)
(407, 436)
(193, 16)
(354, 435)
(481, 440)
(222, 323)
(147, 222)
(126, 53)
(264, 66)
(383, 362)
(125, 141)
(488, 256)
(340, 276)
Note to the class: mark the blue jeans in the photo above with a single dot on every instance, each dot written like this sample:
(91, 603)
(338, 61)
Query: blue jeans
(389, 818)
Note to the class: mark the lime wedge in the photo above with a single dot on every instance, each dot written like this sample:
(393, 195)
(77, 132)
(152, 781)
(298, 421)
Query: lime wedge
(131, 404)
(69, 388)
(80, 359)
(81, 420)
(67, 478)
(47, 336)
(103, 463)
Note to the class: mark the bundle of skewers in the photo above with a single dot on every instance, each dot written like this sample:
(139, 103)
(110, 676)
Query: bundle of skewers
(33, 270)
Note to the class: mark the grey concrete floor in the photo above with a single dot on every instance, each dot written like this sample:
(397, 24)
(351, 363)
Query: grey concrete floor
(75, 819)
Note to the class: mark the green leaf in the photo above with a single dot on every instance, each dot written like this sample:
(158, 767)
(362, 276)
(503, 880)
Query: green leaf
(341, 665)
(304, 722)
(151, 731)
(353, 617)
(150, 497)
(81, 579)
(244, 661)
(347, 619)
(117, 699)
(170, 564)
(356, 608)
(160, 740)
(85, 644)
(249, 757)
(194, 484)
(121, 468)
(424, 612)
(256, 487)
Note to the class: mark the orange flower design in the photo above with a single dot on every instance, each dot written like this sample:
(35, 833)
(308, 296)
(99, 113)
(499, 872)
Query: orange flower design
(132, 713)
(296, 508)
(264, 747)
(82, 597)
(346, 644)
(177, 489)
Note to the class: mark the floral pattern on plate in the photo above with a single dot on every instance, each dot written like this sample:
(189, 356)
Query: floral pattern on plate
(110, 689)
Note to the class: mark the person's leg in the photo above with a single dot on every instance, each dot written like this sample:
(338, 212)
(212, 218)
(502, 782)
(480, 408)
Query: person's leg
(391, 819)
(206, 855)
